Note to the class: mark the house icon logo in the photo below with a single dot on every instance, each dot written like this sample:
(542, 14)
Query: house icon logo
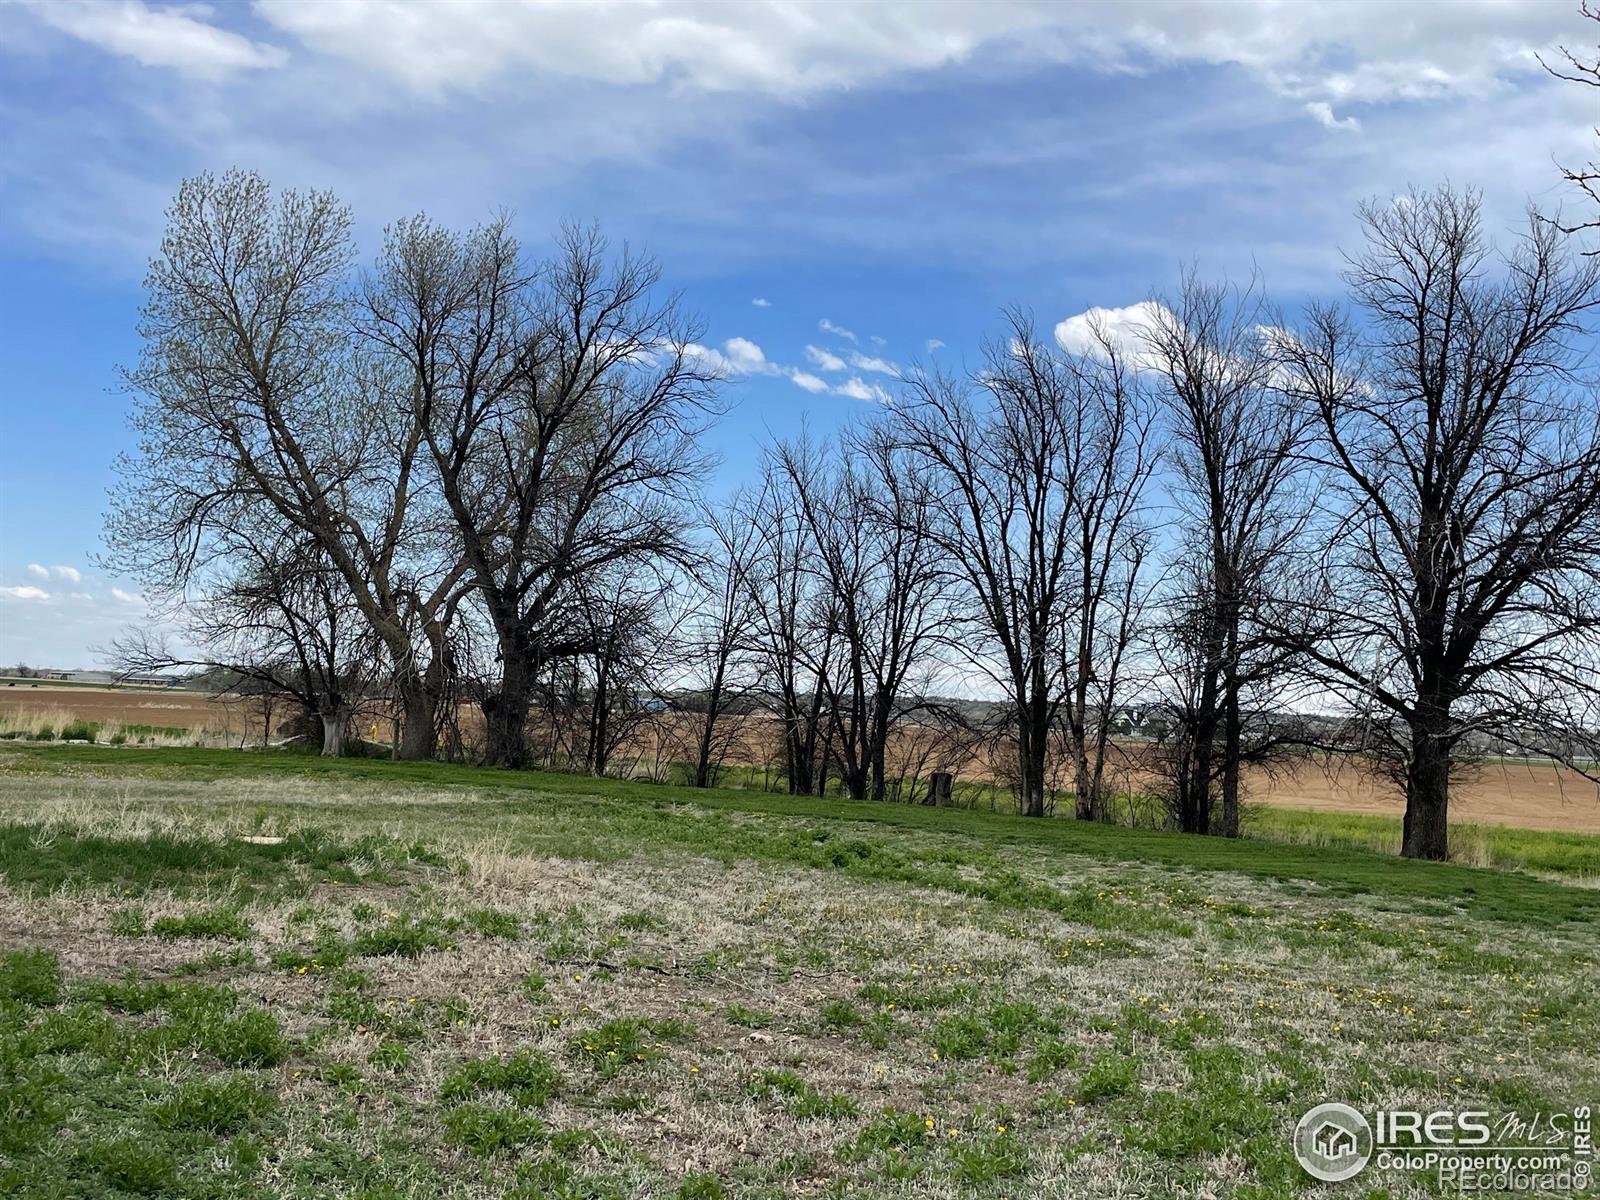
(1333, 1142)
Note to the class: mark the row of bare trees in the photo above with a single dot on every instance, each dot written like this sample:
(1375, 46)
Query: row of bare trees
(465, 481)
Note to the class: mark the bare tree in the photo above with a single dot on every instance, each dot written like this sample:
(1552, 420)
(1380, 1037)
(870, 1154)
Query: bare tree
(560, 406)
(1112, 439)
(719, 635)
(1462, 505)
(793, 638)
(250, 397)
(287, 624)
(1234, 445)
(867, 543)
(1575, 68)
(1002, 484)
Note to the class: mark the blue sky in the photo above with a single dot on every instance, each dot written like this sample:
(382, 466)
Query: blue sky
(883, 176)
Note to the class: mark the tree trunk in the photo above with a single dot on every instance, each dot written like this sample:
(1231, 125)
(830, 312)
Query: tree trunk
(1426, 832)
(333, 729)
(708, 729)
(1033, 744)
(419, 736)
(1232, 737)
(702, 760)
(1087, 803)
(505, 716)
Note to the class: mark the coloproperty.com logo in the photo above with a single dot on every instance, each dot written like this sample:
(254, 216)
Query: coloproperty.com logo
(1470, 1150)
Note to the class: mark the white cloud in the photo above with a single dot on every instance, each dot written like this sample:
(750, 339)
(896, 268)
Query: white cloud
(71, 574)
(811, 383)
(1310, 50)
(1323, 112)
(738, 356)
(127, 597)
(1086, 332)
(38, 572)
(933, 344)
(26, 592)
(826, 360)
(745, 356)
(176, 37)
(855, 388)
(865, 362)
(828, 326)
(761, 302)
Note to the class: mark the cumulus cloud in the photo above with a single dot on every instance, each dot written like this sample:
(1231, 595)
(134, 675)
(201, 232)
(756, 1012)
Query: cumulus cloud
(26, 592)
(856, 388)
(761, 302)
(178, 38)
(811, 383)
(1323, 112)
(38, 572)
(1089, 331)
(737, 356)
(127, 597)
(825, 360)
(933, 344)
(867, 362)
(838, 331)
(70, 574)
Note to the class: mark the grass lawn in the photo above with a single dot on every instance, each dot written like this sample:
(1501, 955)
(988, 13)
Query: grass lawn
(228, 974)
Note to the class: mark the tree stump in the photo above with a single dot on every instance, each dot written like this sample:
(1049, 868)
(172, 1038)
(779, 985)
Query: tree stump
(939, 785)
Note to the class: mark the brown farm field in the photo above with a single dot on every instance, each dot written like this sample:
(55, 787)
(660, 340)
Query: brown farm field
(1520, 794)
(160, 709)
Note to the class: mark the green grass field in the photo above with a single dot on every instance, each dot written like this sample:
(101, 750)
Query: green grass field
(229, 974)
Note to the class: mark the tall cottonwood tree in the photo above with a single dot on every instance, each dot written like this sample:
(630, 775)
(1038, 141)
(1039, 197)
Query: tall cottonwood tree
(873, 557)
(1114, 440)
(997, 453)
(560, 405)
(1234, 442)
(793, 631)
(1460, 437)
(719, 635)
(249, 395)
